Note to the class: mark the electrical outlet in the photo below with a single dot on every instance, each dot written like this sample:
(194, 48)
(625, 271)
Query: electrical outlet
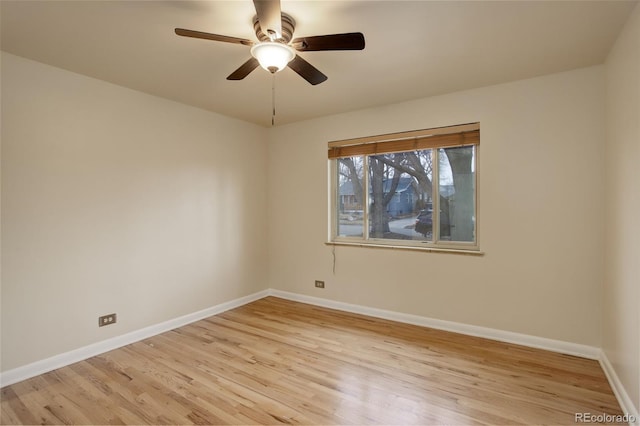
(106, 320)
(319, 284)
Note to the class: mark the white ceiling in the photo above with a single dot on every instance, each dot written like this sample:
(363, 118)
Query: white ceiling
(413, 49)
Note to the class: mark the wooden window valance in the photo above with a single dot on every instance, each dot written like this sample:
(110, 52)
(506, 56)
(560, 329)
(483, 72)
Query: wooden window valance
(440, 137)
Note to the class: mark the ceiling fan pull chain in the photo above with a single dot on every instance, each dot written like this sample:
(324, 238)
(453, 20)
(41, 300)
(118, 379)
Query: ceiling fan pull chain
(273, 99)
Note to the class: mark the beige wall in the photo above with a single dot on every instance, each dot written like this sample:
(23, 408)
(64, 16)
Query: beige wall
(621, 325)
(116, 201)
(540, 214)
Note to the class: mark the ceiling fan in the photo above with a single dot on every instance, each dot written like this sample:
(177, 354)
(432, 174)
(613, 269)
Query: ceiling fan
(275, 49)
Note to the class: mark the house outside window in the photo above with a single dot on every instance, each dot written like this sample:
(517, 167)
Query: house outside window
(415, 189)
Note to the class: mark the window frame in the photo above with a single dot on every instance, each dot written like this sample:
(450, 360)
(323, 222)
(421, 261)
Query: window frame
(436, 244)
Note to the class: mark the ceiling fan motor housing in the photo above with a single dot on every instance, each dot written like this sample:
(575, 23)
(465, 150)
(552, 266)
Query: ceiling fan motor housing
(288, 27)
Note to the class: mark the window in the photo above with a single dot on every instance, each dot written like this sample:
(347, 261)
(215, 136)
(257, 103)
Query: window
(415, 189)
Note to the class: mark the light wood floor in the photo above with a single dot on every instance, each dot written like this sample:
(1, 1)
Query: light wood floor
(275, 361)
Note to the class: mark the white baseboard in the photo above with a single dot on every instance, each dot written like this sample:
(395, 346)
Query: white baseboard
(584, 351)
(57, 361)
(626, 404)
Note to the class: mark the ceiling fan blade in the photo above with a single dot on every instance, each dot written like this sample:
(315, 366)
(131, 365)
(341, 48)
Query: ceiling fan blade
(214, 37)
(307, 71)
(244, 70)
(269, 17)
(347, 41)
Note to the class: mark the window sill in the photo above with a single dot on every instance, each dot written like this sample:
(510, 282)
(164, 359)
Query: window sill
(414, 248)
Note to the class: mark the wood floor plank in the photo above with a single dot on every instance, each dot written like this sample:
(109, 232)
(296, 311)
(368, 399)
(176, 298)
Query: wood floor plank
(280, 362)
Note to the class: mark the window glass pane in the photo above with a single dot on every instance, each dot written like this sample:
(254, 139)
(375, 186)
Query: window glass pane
(400, 193)
(457, 188)
(350, 197)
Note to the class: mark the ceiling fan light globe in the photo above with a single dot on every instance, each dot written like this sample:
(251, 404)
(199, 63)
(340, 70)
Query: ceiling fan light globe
(272, 55)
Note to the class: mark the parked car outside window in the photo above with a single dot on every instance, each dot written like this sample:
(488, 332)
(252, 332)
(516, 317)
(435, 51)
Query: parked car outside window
(424, 223)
